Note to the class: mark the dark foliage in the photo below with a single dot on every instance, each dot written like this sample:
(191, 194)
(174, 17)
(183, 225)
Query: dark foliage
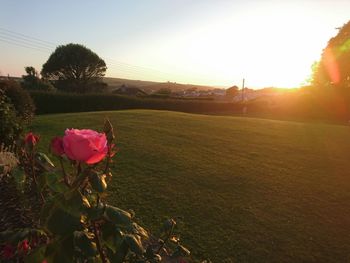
(10, 127)
(331, 76)
(74, 68)
(334, 68)
(20, 99)
(31, 81)
(64, 102)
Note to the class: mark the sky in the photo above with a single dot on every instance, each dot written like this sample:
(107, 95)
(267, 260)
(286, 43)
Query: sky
(208, 42)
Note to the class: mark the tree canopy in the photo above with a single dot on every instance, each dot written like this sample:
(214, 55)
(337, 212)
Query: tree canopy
(334, 66)
(73, 67)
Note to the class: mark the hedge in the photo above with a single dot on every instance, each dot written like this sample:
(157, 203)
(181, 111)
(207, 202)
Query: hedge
(49, 102)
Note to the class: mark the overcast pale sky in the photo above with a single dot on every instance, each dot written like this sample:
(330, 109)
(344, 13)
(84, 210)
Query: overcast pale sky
(213, 42)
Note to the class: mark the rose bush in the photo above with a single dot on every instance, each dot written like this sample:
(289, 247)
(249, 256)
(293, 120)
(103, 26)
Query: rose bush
(75, 223)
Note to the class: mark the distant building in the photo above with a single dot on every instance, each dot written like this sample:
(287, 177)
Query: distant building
(129, 91)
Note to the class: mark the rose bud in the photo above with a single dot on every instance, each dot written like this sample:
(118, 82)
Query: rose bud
(56, 146)
(24, 246)
(31, 139)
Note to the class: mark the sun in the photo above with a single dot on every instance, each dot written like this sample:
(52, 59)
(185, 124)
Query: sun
(267, 48)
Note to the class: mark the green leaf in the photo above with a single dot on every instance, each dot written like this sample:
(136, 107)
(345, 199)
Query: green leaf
(117, 216)
(61, 222)
(112, 237)
(84, 243)
(44, 162)
(181, 251)
(14, 236)
(60, 250)
(95, 213)
(156, 258)
(48, 206)
(64, 212)
(134, 243)
(121, 253)
(76, 203)
(134, 228)
(55, 182)
(38, 255)
(98, 182)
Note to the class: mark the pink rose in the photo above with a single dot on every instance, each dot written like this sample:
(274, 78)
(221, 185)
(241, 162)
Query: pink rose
(85, 145)
(57, 146)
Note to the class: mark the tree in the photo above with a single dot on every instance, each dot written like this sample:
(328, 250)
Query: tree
(31, 81)
(232, 92)
(333, 70)
(31, 71)
(75, 68)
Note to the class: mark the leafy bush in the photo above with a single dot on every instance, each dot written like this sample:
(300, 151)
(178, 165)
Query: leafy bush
(20, 99)
(39, 84)
(11, 125)
(31, 81)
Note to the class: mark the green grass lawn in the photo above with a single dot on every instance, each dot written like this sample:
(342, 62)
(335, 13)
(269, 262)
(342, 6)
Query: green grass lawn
(249, 190)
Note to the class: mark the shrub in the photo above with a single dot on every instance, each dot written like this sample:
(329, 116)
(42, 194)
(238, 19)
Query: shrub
(39, 84)
(31, 81)
(11, 126)
(20, 99)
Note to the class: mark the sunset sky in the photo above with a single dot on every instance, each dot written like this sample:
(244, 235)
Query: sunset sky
(269, 43)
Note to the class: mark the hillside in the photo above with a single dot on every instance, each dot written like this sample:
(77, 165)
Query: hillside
(151, 86)
(249, 190)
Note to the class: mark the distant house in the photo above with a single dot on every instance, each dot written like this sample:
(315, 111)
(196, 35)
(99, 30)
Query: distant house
(129, 91)
(219, 92)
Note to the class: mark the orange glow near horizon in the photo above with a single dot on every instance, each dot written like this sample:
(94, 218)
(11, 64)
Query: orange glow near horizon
(269, 43)
(269, 48)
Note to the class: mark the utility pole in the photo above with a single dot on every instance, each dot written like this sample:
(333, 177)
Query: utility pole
(244, 109)
(243, 89)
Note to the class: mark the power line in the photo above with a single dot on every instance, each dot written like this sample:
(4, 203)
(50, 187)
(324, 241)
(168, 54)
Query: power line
(21, 45)
(28, 37)
(26, 41)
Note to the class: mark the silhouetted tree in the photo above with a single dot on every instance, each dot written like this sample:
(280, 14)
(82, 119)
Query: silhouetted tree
(31, 81)
(333, 70)
(31, 71)
(75, 68)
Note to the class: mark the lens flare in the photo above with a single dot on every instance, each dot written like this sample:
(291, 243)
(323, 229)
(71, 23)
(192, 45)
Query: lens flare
(331, 66)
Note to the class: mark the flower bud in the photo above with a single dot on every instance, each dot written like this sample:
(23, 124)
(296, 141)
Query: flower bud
(109, 131)
(31, 139)
(56, 146)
